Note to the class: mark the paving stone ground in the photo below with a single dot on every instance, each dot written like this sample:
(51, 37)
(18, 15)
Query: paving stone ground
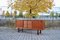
(12, 34)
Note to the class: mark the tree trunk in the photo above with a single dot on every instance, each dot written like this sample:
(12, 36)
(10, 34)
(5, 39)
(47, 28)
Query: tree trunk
(30, 11)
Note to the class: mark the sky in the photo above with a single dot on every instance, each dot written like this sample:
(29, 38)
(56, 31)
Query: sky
(57, 3)
(4, 4)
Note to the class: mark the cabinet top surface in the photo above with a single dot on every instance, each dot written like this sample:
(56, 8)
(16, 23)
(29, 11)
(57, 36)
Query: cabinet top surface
(45, 18)
(37, 18)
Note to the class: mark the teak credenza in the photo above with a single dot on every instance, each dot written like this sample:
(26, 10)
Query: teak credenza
(30, 24)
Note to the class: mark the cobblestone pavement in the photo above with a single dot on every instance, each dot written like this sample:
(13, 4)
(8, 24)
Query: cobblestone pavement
(12, 34)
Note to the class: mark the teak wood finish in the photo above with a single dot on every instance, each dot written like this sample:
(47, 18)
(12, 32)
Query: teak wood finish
(30, 24)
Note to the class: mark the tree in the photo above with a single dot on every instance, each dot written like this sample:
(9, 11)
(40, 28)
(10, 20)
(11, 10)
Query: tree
(14, 14)
(57, 15)
(52, 14)
(20, 14)
(7, 14)
(33, 6)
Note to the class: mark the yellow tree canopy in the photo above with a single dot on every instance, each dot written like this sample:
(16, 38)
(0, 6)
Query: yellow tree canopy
(7, 14)
(34, 6)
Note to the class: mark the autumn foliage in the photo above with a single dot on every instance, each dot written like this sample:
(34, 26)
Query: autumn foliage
(33, 6)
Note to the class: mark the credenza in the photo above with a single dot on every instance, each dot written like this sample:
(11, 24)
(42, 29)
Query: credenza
(30, 24)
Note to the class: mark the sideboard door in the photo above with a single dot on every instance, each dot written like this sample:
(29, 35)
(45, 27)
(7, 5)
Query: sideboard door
(19, 24)
(25, 24)
(29, 24)
(38, 24)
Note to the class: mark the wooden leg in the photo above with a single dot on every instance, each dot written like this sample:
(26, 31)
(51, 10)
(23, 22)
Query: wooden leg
(18, 30)
(40, 31)
(37, 32)
(22, 30)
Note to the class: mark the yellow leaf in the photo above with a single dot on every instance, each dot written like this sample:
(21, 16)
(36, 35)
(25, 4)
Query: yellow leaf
(35, 5)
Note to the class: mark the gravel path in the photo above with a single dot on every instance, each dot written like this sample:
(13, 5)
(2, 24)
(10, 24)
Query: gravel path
(12, 34)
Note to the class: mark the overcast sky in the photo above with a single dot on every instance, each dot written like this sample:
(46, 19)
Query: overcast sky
(57, 3)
